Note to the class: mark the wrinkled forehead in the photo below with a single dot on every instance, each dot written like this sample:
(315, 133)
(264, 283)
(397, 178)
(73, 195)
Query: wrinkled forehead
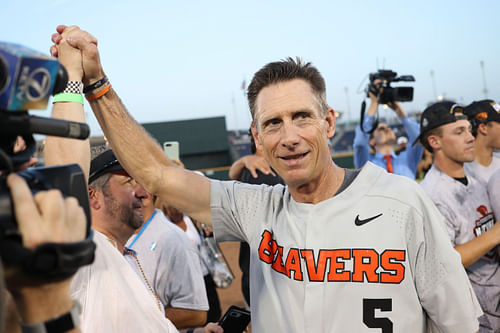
(286, 96)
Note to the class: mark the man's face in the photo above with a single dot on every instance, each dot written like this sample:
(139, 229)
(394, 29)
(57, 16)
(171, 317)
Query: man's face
(383, 135)
(456, 141)
(493, 128)
(291, 131)
(122, 200)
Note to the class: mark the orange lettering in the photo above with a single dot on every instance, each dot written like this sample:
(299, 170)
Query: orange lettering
(315, 272)
(278, 262)
(337, 272)
(362, 268)
(387, 261)
(293, 264)
(267, 247)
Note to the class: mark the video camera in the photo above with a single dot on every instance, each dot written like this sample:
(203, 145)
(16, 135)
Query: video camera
(384, 91)
(27, 80)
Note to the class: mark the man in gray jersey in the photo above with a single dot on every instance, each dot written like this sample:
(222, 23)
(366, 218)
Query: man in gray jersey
(332, 251)
(484, 116)
(463, 201)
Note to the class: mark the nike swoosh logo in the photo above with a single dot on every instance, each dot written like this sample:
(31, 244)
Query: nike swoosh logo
(360, 222)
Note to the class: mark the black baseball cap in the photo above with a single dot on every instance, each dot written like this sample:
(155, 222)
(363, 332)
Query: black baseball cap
(439, 114)
(483, 111)
(106, 162)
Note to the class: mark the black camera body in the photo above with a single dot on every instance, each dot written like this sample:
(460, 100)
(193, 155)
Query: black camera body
(384, 91)
(27, 80)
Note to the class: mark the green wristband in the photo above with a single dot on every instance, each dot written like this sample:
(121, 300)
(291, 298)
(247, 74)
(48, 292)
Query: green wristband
(67, 97)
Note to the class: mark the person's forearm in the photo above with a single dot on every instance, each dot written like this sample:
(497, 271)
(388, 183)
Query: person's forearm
(372, 109)
(236, 169)
(38, 304)
(400, 112)
(64, 151)
(137, 151)
(184, 318)
(476, 248)
(146, 162)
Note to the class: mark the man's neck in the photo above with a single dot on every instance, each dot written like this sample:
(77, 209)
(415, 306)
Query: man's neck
(452, 168)
(147, 212)
(321, 189)
(384, 149)
(114, 237)
(483, 153)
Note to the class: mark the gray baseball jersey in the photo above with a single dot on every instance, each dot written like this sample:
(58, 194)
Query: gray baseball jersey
(494, 193)
(468, 214)
(480, 172)
(170, 262)
(373, 258)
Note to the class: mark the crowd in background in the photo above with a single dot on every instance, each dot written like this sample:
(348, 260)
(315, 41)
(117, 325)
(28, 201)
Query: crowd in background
(148, 274)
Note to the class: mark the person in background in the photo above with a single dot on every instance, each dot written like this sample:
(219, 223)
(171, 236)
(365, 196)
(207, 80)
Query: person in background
(484, 116)
(172, 265)
(464, 203)
(297, 231)
(382, 140)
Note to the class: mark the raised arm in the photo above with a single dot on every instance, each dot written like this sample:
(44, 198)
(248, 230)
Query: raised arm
(61, 150)
(136, 150)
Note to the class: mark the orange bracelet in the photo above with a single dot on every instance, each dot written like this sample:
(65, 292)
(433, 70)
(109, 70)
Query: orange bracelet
(99, 94)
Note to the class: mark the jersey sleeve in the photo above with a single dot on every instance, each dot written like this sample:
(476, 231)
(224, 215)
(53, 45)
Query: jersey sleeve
(441, 281)
(180, 280)
(240, 209)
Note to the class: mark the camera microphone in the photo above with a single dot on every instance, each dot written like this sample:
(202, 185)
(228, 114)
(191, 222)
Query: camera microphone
(21, 123)
(58, 127)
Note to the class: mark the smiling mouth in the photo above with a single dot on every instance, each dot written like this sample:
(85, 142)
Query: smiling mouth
(294, 157)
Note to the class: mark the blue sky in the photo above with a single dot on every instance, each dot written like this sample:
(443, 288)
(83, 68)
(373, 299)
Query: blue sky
(173, 60)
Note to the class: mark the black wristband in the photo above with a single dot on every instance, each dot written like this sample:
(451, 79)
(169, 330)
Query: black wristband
(95, 85)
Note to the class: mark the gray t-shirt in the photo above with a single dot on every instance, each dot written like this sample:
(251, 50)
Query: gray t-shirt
(494, 193)
(375, 254)
(480, 172)
(468, 214)
(170, 262)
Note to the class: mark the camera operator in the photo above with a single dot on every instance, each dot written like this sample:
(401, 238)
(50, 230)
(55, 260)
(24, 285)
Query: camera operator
(42, 218)
(382, 139)
(109, 287)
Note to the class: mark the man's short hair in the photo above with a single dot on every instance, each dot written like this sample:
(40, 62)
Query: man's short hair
(287, 70)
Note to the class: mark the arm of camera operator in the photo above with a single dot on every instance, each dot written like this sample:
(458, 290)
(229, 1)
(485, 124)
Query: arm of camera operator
(62, 150)
(361, 144)
(44, 217)
(136, 150)
(413, 152)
